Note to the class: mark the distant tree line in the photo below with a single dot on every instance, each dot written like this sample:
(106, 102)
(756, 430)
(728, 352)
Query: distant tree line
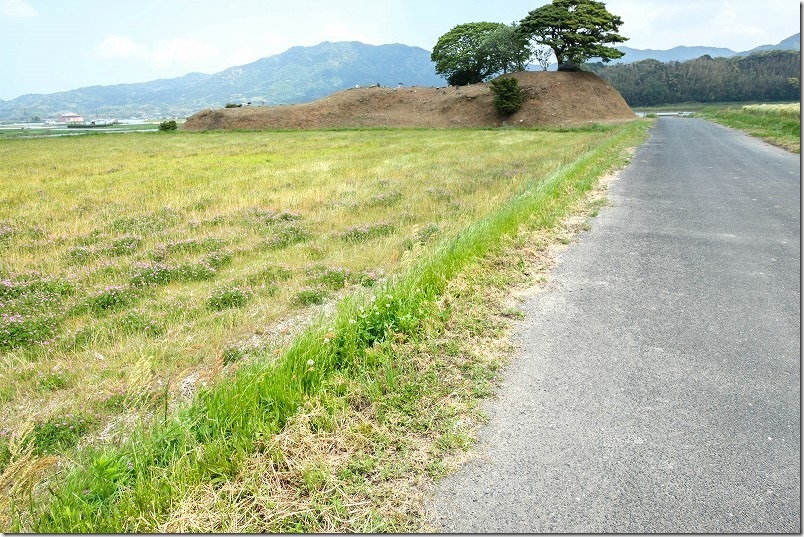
(764, 76)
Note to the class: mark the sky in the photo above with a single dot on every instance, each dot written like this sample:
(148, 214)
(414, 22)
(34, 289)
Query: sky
(48, 46)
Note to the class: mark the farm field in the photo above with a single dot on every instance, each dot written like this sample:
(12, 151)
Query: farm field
(137, 270)
(45, 131)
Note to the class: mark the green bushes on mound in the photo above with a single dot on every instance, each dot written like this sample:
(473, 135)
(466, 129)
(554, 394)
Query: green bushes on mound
(507, 95)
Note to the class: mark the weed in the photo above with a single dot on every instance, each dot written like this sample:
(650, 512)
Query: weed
(61, 432)
(269, 217)
(21, 330)
(514, 313)
(239, 352)
(116, 401)
(54, 380)
(228, 296)
(146, 224)
(385, 200)
(6, 232)
(285, 234)
(124, 245)
(367, 278)
(367, 232)
(422, 236)
(136, 321)
(270, 275)
(81, 254)
(309, 296)
(110, 298)
(333, 278)
(195, 272)
(151, 273)
(193, 245)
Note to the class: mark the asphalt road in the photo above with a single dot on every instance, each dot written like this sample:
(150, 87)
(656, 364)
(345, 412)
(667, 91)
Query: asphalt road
(658, 383)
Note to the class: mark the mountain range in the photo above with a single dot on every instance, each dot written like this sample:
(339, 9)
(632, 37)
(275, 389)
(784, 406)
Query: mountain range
(300, 74)
(681, 54)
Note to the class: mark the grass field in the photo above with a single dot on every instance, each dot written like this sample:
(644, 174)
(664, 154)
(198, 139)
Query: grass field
(779, 124)
(137, 271)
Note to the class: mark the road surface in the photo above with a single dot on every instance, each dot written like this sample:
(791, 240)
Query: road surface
(657, 387)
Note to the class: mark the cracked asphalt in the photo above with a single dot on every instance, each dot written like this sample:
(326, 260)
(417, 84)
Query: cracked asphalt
(657, 387)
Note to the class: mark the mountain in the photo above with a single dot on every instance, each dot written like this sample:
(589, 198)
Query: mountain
(678, 54)
(300, 74)
(791, 43)
(681, 54)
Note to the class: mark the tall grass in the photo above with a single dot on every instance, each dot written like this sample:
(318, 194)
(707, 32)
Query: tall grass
(129, 486)
(779, 124)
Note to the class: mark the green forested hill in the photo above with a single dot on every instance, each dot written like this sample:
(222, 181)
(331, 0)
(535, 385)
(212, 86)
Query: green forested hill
(763, 76)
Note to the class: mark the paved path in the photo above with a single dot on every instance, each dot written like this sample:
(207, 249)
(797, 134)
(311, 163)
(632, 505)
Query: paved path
(658, 385)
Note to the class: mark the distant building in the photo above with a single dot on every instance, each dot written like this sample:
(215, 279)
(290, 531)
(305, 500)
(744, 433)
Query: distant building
(69, 117)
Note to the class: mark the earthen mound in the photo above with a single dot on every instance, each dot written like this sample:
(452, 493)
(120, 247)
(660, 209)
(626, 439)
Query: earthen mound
(551, 99)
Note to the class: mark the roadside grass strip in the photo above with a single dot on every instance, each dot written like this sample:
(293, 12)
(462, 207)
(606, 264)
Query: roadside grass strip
(316, 439)
(778, 124)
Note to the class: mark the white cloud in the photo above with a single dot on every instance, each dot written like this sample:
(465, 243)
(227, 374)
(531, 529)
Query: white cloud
(338, 31)
(183, 51)
(736, 24)
(17, 9)
(180, 52)
(117, 46)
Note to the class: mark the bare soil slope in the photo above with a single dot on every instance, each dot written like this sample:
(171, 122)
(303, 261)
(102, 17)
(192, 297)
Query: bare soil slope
(551, 99)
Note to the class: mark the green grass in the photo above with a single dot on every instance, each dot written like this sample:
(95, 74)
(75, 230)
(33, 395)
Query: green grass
(779, 124)
(202, 207)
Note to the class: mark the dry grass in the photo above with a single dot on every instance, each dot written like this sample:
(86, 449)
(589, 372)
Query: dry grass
(88, 219)
(362, 473)
(374, 430)
(788, 109)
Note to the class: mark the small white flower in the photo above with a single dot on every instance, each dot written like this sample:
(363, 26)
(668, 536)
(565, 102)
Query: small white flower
(310, 363)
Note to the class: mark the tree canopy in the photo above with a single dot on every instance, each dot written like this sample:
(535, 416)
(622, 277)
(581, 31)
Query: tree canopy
(576, 30)
(474, 52)
(763, 76)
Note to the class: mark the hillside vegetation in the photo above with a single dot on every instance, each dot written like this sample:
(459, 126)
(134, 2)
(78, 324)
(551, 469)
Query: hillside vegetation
(550, 99)
(764, 76)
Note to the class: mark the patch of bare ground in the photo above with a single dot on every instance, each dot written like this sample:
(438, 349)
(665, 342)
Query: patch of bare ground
(552, 99)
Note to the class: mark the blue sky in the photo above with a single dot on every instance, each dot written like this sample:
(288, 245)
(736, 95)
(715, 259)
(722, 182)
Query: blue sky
(56, 45)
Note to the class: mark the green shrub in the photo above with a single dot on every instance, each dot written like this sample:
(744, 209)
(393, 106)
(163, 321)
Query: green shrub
(507, 95)
(169, 125)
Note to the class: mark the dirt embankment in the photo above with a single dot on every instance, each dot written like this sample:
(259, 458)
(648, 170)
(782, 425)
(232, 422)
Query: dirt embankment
(551, 99)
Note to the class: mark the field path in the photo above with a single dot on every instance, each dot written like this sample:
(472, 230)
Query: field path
(658, 383)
